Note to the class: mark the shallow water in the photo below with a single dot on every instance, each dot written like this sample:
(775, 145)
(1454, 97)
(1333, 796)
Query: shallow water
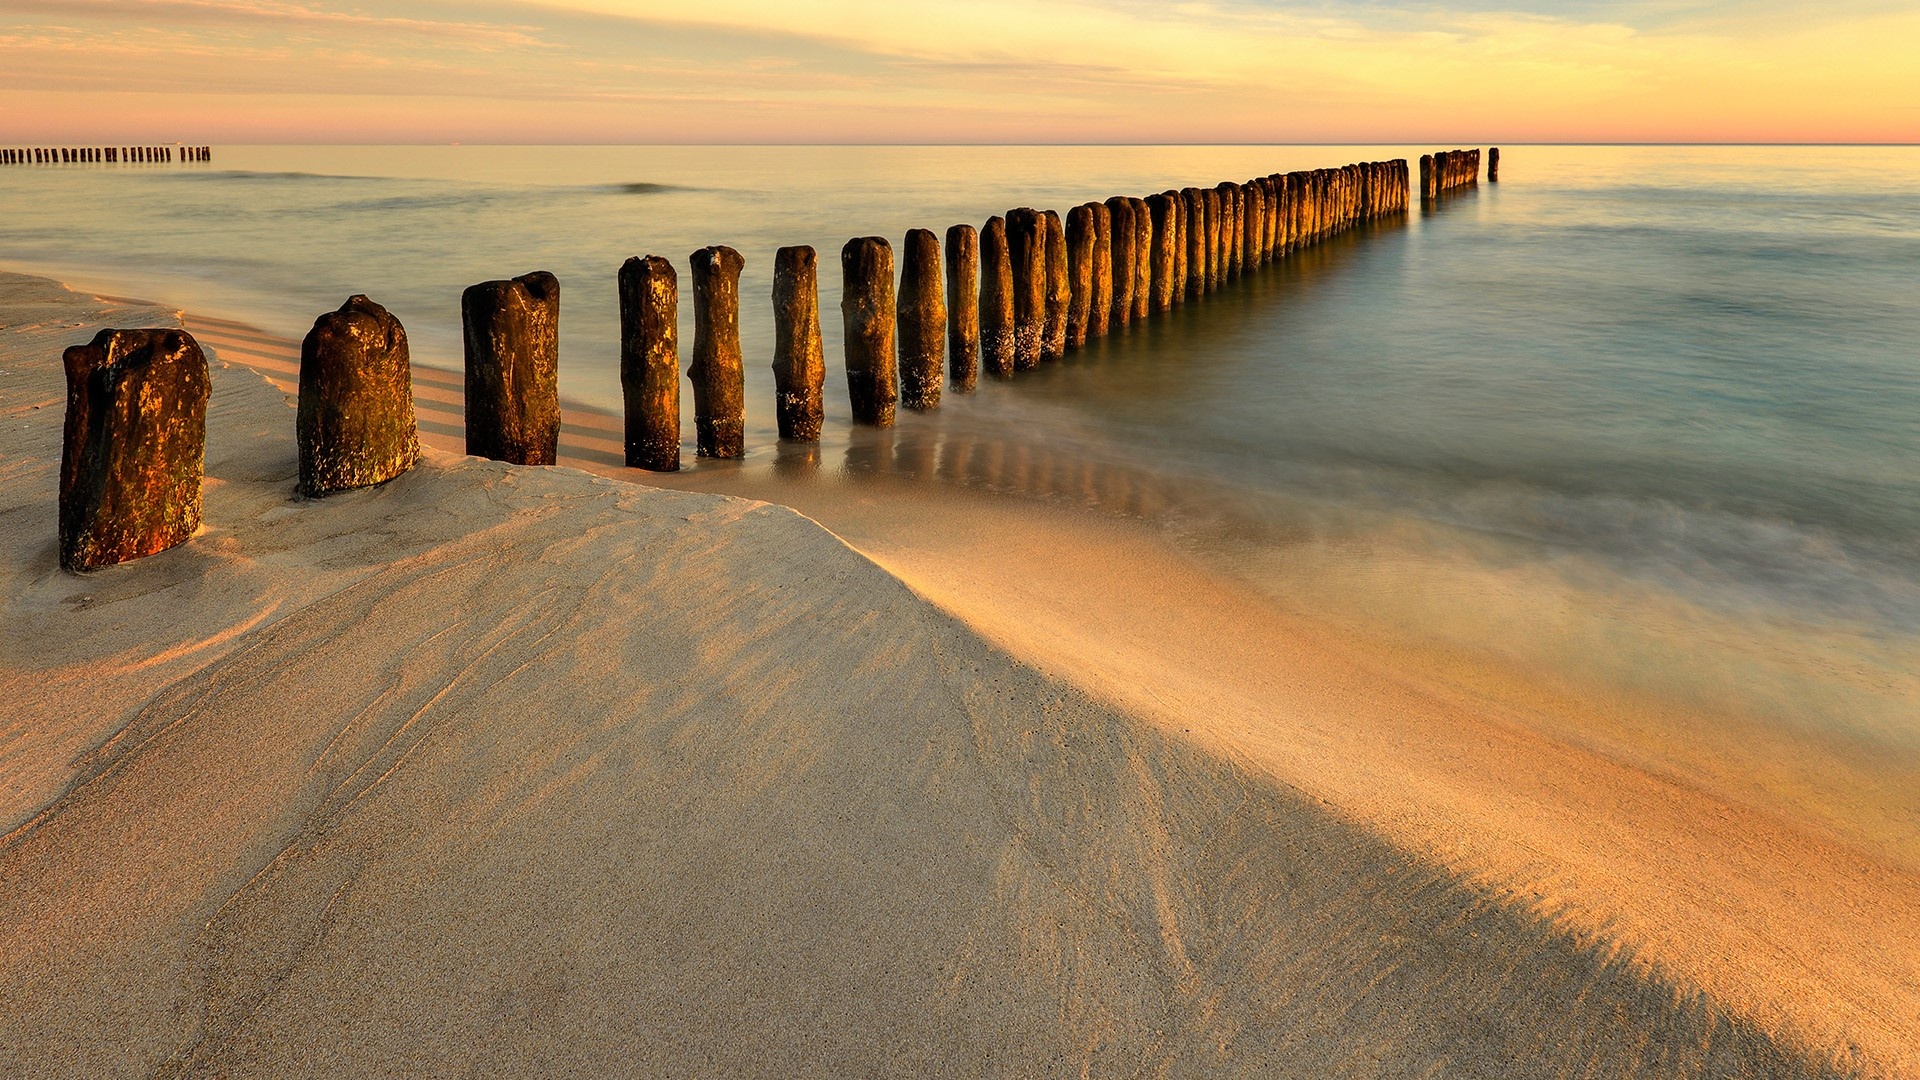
(1642, 415)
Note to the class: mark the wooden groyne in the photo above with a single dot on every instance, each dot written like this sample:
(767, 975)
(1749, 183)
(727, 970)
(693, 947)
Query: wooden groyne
(1446, 171)
(103, 155)
(1038, 286)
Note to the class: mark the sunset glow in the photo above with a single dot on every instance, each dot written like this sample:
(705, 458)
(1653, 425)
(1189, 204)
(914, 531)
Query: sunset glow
(949, 71)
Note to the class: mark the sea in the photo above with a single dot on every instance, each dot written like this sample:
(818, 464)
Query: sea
(1646, 417)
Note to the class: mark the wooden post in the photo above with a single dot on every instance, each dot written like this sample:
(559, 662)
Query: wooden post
(1194, 284)
(1253, 225)
(1426, 178)
(922, 321)
(997, 290)
(512, 337)
(650, 362)
(799, 361)
(963, 308)
(1102, 307)
(1230, 230)
(1059, 291)
(867, 310)
(134, 446)
(1162, 210)
(1027, 247)
(1080, 242)
(716, 371)
(1142, 258)
(1493, 165)
(1120, 240)
(355, 425)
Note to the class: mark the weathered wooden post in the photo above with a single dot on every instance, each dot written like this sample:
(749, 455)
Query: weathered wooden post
(650, 362)
(1027, 247)
(799, 361)
(867, 310)
(134, 446)
(512, 337)
(717, 371)
(963, 308)
(1120, 241)
(1177, 228)
(997, 290)
(1253, 225)
(1059, 291)
(1162, 210)
(1426, 178)
(1102, 308)
(1193, 275)
(922, 318)
(1079, 242)
(1493, 165)
(355, 424)
(1230, 230)
(1142, 258)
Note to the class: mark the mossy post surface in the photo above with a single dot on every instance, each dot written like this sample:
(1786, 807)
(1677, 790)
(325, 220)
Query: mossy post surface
(867, 315)
(1121, 235)
(998, 336)
(1080, 240)
(355, 426)
(134, 446)
(650, 362)
(963, 308)
(1059, 291)
(512, 335)
(799, 360)
(922, 321)
(1027, 250)
(717, 371)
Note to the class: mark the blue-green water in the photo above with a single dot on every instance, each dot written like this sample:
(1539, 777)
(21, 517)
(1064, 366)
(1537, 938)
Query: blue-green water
(1687, 374)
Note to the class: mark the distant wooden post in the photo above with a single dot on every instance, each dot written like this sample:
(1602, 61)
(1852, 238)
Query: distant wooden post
(650, 362)
(922, 318)
(963, 308)
(997, 289)
(512, 336)
(1079, 240)
(1059, 292)
(1230, 230)
(1102, 306)
(1027, 247)
(355, 425)
(1120, 240)
(867, 310)
(717, 372)
(799, 361)
(134, 446)
(1493, 166)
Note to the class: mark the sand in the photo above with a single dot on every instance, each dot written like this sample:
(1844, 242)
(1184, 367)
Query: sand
(499, 770)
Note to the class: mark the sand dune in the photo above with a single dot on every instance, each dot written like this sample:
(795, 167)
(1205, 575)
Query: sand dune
(528, 771)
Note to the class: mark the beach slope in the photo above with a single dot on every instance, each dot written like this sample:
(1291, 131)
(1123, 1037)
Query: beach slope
(501, 771)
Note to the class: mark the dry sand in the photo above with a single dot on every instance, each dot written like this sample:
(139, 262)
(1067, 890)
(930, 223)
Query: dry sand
(497, 770)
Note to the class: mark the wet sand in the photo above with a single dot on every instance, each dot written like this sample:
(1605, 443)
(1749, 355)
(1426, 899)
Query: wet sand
(512, 768)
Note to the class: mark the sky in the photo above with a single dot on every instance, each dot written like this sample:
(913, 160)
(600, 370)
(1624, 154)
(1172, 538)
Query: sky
(958, 71)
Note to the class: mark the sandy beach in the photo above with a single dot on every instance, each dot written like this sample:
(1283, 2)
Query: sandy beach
(571, 771)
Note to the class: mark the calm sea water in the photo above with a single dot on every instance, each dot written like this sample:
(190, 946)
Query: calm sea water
(1677, 389)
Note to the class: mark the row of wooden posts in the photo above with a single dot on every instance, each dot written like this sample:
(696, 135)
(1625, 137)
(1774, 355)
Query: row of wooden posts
(1450, 170)
(1027, 287)
(85, 155)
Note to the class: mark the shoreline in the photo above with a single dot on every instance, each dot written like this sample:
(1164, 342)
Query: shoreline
(1762, 914)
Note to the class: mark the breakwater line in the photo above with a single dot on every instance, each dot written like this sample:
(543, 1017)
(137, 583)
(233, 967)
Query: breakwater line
(104, 155)
(1038, 286)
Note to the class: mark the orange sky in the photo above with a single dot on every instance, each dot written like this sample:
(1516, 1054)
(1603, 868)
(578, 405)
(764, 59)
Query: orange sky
(957, 71)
